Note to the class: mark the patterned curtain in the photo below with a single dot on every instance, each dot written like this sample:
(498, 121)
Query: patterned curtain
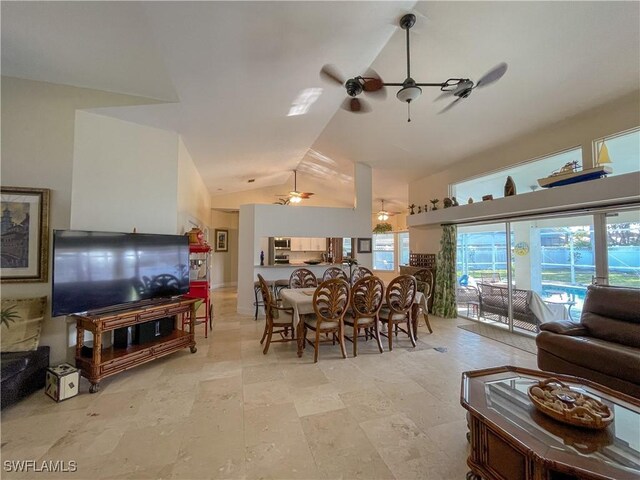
(444, 300)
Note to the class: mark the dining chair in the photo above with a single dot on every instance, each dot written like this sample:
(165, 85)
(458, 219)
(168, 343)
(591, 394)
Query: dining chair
(276, 317)
(334, 272)
(360, 272)
(397, 310)
(367, 296)
(302, 278)
(424, 283)
(330, 302)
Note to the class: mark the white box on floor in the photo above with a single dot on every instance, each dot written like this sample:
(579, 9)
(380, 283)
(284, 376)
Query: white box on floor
(62, 382)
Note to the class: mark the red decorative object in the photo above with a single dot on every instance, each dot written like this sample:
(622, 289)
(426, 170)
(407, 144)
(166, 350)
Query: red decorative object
(200, 280)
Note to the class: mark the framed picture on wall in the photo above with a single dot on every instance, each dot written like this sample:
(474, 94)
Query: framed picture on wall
(25, 234)
(221, 240)
(364, 245)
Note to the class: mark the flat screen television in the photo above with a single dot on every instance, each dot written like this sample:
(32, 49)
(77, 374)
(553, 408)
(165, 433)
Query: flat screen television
(94, 270)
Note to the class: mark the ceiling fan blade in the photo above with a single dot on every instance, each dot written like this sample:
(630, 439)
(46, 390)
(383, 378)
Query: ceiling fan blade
(492, 75)
(356, 105)
(330, 74)
(450, 105)
(305, 194)
(373, 84)
(445, 94)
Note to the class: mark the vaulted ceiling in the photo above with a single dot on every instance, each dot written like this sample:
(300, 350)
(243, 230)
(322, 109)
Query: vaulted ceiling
(230, 71)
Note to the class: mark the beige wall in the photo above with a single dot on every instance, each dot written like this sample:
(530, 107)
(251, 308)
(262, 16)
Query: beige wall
(194, 199)
(224, 268)
(38, 122)
(580, 130)
(124, 176)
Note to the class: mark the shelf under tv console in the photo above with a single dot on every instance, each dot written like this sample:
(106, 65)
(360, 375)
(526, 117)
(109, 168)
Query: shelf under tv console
(104, 362)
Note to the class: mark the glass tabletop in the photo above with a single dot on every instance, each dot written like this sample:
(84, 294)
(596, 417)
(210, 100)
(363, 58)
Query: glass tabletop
(618, 445)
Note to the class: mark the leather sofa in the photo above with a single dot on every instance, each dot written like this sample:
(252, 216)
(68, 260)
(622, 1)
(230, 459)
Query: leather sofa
(604, 346)
(22, 374)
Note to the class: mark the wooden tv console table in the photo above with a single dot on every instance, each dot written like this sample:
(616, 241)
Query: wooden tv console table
(105, 362)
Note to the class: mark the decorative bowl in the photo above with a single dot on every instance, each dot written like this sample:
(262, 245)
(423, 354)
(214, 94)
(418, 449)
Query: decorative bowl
(560, 402)
(312, 262)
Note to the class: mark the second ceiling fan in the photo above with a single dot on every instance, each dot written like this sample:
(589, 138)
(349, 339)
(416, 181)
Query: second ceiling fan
(371, 83)
(294, 196)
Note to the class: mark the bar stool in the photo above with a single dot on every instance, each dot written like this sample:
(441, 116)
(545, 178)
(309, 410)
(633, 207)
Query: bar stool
(278, 285)
(257, 294)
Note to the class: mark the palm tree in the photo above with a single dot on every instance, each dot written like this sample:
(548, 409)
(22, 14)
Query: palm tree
(8, 315)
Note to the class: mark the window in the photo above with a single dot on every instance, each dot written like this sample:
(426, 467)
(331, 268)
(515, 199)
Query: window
(403, 248)
(624, 151)
(525, 176)
(346, 247)
(383, 251)
(623, 248)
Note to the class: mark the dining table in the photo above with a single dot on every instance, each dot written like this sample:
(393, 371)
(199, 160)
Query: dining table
(301, 301)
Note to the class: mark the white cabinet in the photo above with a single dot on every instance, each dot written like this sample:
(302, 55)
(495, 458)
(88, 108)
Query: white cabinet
(300, 244)
(319, 244)
(308, 244)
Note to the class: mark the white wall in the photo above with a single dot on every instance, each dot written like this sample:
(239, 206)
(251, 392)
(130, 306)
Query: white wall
(260, 221)
(124, 176)
(224, 270)
(194, 199)
(580, 130)
(38, 121)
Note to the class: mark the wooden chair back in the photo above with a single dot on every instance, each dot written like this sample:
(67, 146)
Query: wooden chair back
(266, 295)
(360, 272)
(424, 277)
(401, 293)
(367, 296)
(334, 272)
(331, 300)
(302, 278)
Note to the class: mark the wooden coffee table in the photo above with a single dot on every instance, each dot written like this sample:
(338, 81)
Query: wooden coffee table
(511, 440)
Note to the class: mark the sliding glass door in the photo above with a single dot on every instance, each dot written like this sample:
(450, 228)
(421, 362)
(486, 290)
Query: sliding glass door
(623, 248)
(522, 273)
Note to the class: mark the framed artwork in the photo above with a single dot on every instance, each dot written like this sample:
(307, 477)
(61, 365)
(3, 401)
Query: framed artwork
(25, 235)
(221, 240)
(364, 245)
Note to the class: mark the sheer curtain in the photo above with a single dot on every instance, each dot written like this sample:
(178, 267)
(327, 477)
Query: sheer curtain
(444, 302)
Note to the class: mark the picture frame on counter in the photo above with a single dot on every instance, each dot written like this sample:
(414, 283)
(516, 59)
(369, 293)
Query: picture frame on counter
(364, 245)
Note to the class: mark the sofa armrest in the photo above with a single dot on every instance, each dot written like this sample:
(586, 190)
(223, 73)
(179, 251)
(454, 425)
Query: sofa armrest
(573, 329)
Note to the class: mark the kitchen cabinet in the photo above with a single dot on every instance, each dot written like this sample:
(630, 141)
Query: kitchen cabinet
(308, 244)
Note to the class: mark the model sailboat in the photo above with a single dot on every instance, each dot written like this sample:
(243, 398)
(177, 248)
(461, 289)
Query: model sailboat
(569, 173)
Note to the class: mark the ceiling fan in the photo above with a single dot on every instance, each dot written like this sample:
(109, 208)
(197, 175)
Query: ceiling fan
(294, 195)
(383, 215)
(371, 83)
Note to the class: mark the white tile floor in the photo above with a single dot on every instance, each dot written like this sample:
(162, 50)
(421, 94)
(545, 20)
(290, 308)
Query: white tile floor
(229, 411)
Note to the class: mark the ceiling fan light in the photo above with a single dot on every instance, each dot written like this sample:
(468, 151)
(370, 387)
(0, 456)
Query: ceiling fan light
(383, 216)
(295, 199)
(409, 94)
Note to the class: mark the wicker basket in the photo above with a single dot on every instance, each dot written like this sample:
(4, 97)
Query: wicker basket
(596, 416)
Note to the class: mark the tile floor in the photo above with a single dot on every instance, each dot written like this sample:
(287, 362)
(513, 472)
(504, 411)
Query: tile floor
(229, 411)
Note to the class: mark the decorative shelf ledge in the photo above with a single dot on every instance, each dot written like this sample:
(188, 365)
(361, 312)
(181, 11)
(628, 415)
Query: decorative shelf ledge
(604, 192)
